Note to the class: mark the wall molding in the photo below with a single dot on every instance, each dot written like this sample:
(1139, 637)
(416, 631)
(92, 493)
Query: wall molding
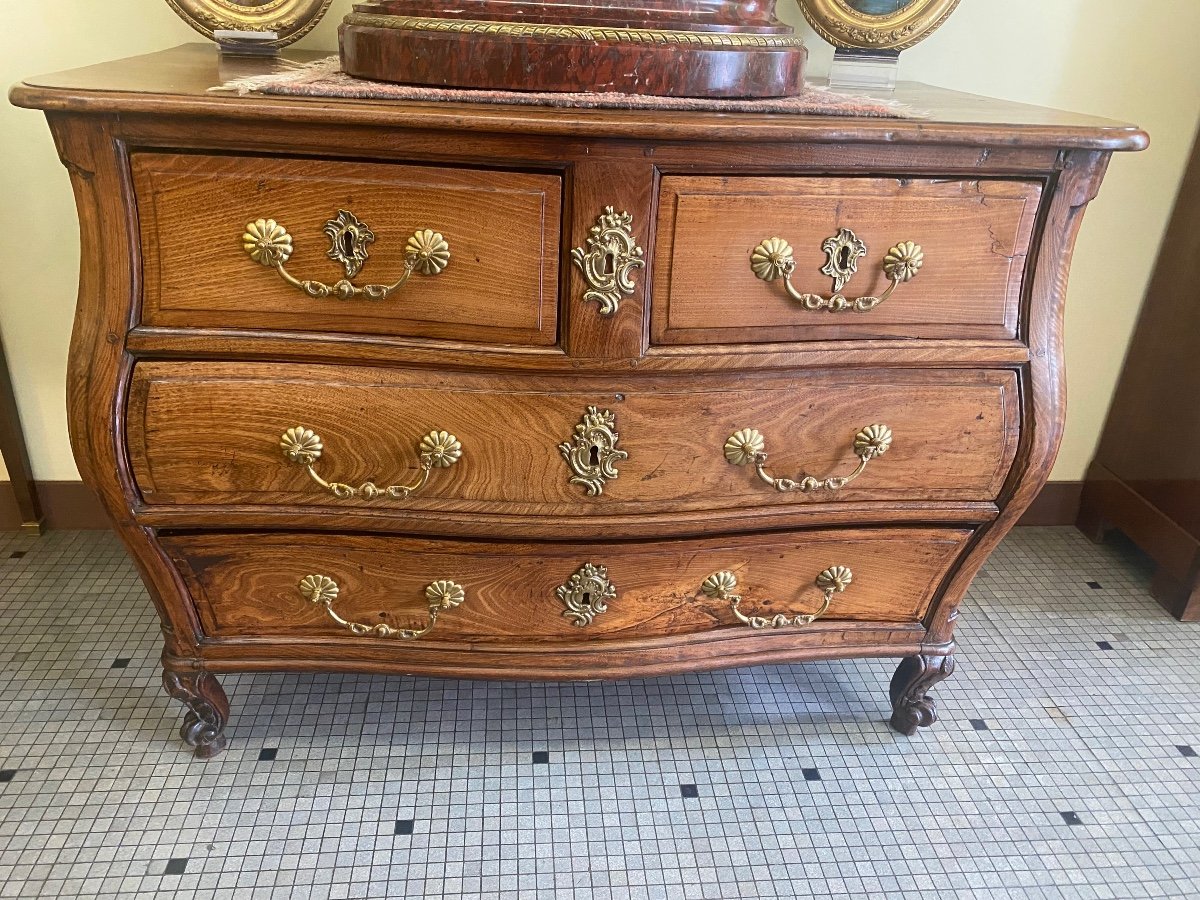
(1057, 504)
(65, 505)
(71, 505)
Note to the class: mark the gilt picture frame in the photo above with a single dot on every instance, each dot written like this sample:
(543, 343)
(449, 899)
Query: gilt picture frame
(876, 24)
(281, 22)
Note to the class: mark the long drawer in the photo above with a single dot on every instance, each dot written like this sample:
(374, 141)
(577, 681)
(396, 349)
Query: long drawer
(314, 436)
(369, 589)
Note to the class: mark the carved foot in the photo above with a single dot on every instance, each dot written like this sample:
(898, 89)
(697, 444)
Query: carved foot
(208, 709)
(911, 708)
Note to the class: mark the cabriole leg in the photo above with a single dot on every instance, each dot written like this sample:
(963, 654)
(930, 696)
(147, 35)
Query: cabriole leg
(911, 708)
(208, 709)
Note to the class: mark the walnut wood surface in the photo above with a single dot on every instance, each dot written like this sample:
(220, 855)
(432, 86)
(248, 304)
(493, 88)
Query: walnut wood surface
(975, 236)
(990, 409)
(157, 83)
(955, 436)
(248, 589)
(500, 285)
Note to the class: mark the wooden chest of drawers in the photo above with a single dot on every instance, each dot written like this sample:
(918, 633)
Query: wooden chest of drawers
(532, 393)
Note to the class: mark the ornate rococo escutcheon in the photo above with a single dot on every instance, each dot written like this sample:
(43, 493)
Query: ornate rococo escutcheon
(592, 452)
(439, 595)
(749, 447)
(586, 594)
(608, 260)
(270, 245)
(437, 450)
(348, 240)
(773, 258)
(721, 586)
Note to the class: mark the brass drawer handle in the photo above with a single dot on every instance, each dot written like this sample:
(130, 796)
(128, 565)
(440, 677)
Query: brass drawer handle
(440, 595)
(721, 586)
(773, 259)
(269, 244)
(437, 450)
(748, 447)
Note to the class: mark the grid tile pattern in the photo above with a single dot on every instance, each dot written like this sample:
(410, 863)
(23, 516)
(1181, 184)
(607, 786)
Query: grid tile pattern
(1062, 765)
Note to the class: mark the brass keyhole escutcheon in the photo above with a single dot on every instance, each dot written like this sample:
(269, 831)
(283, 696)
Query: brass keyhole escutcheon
(607, 260)
(586, 594)
(592, 453)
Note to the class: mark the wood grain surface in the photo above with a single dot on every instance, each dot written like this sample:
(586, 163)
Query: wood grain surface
(955, 436)
(180, 81)
(250, 588)
(500, 286)
(975, 235)
(175, 422)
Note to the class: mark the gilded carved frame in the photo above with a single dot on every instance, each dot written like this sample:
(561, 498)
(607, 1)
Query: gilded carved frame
(842, 25)
(289, 19)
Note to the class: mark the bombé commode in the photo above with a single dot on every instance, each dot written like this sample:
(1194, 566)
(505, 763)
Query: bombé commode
(560, 394)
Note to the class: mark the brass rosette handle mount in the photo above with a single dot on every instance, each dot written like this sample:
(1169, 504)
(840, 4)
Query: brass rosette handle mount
(436, 450)
(774, 258)
(439, 595)
(723, 586)
(270, 245)
(748, 447)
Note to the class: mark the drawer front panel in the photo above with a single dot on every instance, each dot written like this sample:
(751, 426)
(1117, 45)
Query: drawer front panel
(210, 433)
(973, 239)
(511, 593)
(499, 284)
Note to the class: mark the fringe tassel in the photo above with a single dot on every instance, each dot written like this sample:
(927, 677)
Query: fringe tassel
(294, 73)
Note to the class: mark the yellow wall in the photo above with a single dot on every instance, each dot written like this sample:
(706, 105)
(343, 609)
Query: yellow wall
(1129, 61)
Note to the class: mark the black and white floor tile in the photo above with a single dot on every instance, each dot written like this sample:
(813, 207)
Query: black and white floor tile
(1064, 765)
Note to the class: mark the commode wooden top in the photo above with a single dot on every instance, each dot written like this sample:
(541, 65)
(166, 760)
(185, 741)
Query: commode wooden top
(181, 80)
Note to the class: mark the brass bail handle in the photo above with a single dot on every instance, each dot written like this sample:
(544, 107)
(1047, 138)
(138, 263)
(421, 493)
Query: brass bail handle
(436, 450)
(773, 259)
(748, 447)
(269, 244)
(722, 585)
(439, 595)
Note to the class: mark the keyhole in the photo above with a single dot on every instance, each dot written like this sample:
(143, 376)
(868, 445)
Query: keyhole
(595, 457)
(587, 598)
(347, 243)
(844, 258)
(610, 263)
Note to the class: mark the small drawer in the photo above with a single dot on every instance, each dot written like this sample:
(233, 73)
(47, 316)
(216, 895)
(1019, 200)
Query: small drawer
(368, 589)
(368, 248)
(567, 446)
(748, 260)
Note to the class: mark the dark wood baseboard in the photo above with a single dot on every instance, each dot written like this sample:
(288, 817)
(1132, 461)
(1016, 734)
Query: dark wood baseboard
(71, 505)
(65, 505)
(1057, 504)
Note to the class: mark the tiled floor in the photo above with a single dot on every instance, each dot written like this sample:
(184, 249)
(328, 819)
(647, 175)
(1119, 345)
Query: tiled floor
(1061, 767)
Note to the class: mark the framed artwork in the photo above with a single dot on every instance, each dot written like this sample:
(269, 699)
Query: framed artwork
(289, 20)
(876, 24)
